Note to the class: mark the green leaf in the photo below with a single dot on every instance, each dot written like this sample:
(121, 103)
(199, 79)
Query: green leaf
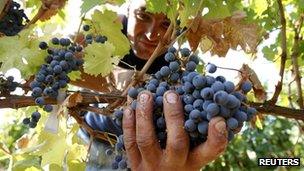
(26, 161)
(217, 11)
(108, 24)
(188, 10)
(76, 165)
(157, 6)
(270, 52)
(89, 4)
(169, 8)
(74, 75)
(21, 52)
(98, 59)
(259, 6)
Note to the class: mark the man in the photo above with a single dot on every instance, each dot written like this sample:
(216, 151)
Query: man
(144, 31)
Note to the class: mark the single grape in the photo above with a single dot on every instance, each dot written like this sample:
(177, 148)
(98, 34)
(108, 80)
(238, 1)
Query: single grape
(190, 66)
(199, 81)
(122, 164)
(220, 97)
(217, 86)
(109, 152)
(133, 92)
(32, 124)
(220, 78)
(190, 125)
(211, 68)
(118, 114)
(172, 49)
(26, 121)
(213, 109)
(159, 101)
(43, 45)
(203, 127)
(185, 52)
(165, 71)
(194, 58)
(55, 41)
(207, 93)
(246, 86)
(169, 57)
(229, 86)
(232, 123)
(174, 66)
(48, 108)
(86, 27)
(39, 101)
(36, 116)
(195, 115)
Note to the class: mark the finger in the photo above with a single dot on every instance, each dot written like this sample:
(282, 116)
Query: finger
(129, 131)
(145, 134)
(177, 141)
(216, 144)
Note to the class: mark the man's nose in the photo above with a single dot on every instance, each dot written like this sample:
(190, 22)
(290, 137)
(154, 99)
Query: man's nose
(153, 31)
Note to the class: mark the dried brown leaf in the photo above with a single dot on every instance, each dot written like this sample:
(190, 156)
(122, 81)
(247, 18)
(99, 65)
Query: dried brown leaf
(23, 142)
(259, 91)
(72, 100)
(226, 33)
(50, 8)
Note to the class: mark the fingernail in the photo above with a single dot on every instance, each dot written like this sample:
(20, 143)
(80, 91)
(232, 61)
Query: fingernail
(221, 127)
(128, 113)
(171, 98)
(143, 98)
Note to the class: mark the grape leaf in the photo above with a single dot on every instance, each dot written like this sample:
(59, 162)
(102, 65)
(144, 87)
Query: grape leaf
(108, 24)
(157, 6)
(74, 75)
(166, 7)
(259, 6)
(21, 52)
(214, 8)
(98, 59)
(226, 33)
(188, 9)
(88, 5)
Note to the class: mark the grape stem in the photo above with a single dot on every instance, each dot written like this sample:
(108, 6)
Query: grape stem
(230, 69)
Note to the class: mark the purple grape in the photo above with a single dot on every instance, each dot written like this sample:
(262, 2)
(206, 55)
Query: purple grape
(211, 68)
(246, 86)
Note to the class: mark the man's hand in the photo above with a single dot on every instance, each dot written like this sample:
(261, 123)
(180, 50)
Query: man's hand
(143, 149)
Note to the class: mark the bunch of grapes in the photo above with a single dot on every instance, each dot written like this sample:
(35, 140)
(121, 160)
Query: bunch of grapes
(89, 38)
(14, 20)
(53, 75)
(203, 97)
(8, 84)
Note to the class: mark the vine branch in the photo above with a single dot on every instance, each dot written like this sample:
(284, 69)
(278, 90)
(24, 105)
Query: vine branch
(278, 110)
(16, 102)
(278, 88)
(295, 65)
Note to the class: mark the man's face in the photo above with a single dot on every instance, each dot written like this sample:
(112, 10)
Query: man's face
(145, 29)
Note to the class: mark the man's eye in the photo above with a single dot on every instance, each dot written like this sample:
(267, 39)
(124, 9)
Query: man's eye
(166, 24)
